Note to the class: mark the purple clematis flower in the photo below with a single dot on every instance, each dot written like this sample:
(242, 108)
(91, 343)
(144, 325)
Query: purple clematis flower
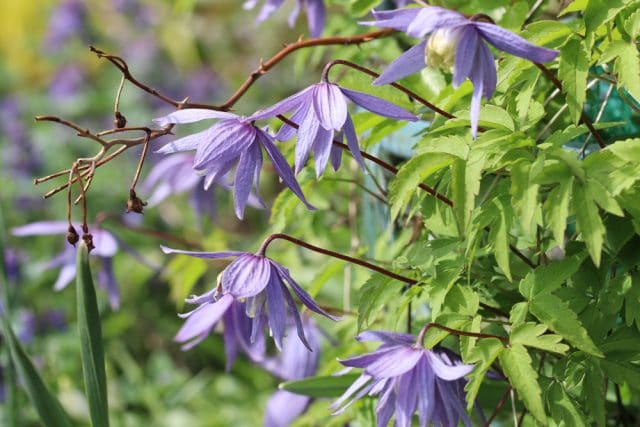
(106, 247)
(321, 111)
(257, 281)
(231, 140)
(456, 44)
(408, 377)
(237, 333)
(175, 175)
(315, 13)
(294, 363)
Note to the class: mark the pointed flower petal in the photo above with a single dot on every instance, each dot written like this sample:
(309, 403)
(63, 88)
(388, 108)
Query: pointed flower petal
(191, 115)
(379, 106)
(329, 105)
(514, 44)
(408, 63)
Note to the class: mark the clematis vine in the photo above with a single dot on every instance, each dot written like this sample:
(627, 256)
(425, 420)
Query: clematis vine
(232, 140)
(407, 378)
(321, 111)
(456, 44)
(106, 246)
(315, 13)
(261, 285)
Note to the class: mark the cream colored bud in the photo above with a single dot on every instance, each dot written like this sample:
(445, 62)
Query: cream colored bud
(440, 51)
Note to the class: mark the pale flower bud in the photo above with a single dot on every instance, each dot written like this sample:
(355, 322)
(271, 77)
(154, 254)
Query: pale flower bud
(440, 52)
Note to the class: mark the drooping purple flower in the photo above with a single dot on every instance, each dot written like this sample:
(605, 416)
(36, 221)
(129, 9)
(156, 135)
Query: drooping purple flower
(293, 363)
(321, 111)
(315, 13)
(408, 378)
(237, 332)
(106, 247)
(175, 175)
(258, 281)
(457, 44)
(232, 140)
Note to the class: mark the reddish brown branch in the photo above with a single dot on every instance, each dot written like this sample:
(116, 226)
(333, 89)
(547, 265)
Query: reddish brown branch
(583, 118)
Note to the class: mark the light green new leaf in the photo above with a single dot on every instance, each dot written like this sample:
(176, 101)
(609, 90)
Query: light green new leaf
(413, 173)
(574, 66)
(465, 184)
(627, 67)
(499, 235)
(603, 198)
(556, 209)
(518, 313)
(447, 272)
(323, 386)
(374, 294)
(482, 356)
(91, 350)
(574, 6)
(524, 194)
(627, 150)
(562, 406)
(588, 221)
(632, 25)
(556, 314)
(518, 368)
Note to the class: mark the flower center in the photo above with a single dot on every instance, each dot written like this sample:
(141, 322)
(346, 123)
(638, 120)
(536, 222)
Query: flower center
(441, 48)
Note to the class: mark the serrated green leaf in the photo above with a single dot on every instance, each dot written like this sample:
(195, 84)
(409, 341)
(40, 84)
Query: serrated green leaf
(517, 366)
(556, 314)
(550, 277)
(599, 12)
(524, 194)
(562, 407)
(456, 145)
(499, 235)
(621, 372)
(593, 391)
(482, 356)
(322, 386)
(556, 209)
(413, 173)
(627, 67)
(632, 304)
(91, 351)
(531, 335)
(632, 25)
(588, 221)
(518, 313)
(574, 66)
(627, 150)
(523, 98)
(574, 6)
(374, 294)
(446, 274)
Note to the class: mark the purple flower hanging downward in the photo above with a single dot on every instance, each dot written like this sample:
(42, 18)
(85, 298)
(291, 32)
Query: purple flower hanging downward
(106, 247)
(261, 284)
(408, 377)
(457, 44)
(315, 13)
(232, 140)
(321, 110)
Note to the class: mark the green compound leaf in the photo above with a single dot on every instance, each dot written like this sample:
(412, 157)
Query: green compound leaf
(531, 335)
(518, 368)
(588, 221)
(482, 356)
(574, 66)
(91, 351)
(411, 174)
(556, 314)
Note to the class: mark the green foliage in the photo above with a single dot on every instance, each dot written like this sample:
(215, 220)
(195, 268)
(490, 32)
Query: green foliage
(90, 331)
(518, 367)
(324, 386)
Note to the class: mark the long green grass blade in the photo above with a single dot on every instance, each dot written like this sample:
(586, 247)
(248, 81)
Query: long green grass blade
(91, 350)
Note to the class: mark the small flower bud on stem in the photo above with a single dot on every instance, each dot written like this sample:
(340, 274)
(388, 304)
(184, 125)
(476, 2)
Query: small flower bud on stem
(135, 204)
(119, 121)
(72, 235)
